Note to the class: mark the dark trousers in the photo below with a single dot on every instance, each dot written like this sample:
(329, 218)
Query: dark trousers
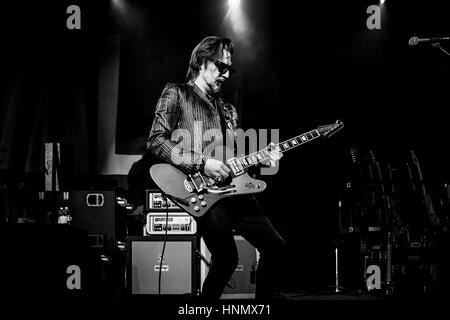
(243, 216)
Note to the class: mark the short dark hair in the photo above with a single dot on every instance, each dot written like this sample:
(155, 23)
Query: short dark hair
(209, 49)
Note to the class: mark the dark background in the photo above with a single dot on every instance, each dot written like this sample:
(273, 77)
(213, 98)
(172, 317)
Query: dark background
(300, 65)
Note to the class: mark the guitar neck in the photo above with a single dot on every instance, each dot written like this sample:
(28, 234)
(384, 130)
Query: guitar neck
(242, 164)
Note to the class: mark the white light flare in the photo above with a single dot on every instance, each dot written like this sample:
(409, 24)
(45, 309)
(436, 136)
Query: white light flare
(234, 4)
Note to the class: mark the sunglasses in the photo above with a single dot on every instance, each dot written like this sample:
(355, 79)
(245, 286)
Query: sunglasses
(223, 67)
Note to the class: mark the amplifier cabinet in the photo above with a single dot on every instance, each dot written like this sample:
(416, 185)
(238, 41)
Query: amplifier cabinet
(179, 265)
(93, 210)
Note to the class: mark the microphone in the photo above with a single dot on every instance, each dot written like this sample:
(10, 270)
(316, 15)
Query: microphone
(413, 41)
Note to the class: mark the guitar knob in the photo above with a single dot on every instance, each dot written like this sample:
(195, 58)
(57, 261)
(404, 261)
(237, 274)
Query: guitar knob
(196, 208)
(193, 200)
(200, 197)
(203, 203)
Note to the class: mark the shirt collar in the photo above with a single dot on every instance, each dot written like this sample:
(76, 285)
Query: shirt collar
(204, 95)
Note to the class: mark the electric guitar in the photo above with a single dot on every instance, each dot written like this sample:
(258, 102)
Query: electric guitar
(197, 193)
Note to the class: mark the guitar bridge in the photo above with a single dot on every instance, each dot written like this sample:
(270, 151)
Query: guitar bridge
(198, 182)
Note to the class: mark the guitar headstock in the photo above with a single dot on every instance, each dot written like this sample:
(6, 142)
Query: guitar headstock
(330, 129)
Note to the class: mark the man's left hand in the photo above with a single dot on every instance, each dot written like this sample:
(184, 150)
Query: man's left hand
(274, 155)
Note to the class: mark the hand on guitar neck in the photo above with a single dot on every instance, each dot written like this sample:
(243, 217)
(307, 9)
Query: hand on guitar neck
(274, 155)
(217, 170)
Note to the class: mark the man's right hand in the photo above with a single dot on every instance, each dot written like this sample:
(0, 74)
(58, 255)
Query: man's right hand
(216, 169)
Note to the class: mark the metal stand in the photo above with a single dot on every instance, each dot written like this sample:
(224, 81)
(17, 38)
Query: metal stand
(389, 285)
(438, 45)
(337, 287)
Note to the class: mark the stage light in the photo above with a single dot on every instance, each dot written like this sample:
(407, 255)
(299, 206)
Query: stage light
(118, 3)
(234, 4)
(382, 1)
(235, 17)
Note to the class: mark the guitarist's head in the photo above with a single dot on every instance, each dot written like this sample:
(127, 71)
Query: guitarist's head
(210, 64)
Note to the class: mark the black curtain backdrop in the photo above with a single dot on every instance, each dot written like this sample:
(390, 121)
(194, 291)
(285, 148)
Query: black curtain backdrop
(49, 84)
(300, 65)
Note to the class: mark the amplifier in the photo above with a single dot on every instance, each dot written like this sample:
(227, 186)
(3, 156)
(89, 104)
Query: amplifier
(178, 223)
(156, 201)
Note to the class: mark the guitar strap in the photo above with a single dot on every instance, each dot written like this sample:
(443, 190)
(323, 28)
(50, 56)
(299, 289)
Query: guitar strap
(225, 122)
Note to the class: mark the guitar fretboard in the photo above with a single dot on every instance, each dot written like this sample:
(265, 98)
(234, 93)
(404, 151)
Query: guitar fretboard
(241, 164)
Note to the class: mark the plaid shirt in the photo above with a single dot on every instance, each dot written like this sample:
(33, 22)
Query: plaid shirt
(187, 124)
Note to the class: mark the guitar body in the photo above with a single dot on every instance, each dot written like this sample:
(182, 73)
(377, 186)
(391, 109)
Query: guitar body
(177, 186)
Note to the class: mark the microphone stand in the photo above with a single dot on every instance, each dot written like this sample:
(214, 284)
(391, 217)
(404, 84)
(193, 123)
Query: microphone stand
(438, 45)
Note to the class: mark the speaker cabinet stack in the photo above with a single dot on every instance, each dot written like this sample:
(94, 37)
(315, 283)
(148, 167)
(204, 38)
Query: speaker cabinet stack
(171, 258)
(163, 261)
